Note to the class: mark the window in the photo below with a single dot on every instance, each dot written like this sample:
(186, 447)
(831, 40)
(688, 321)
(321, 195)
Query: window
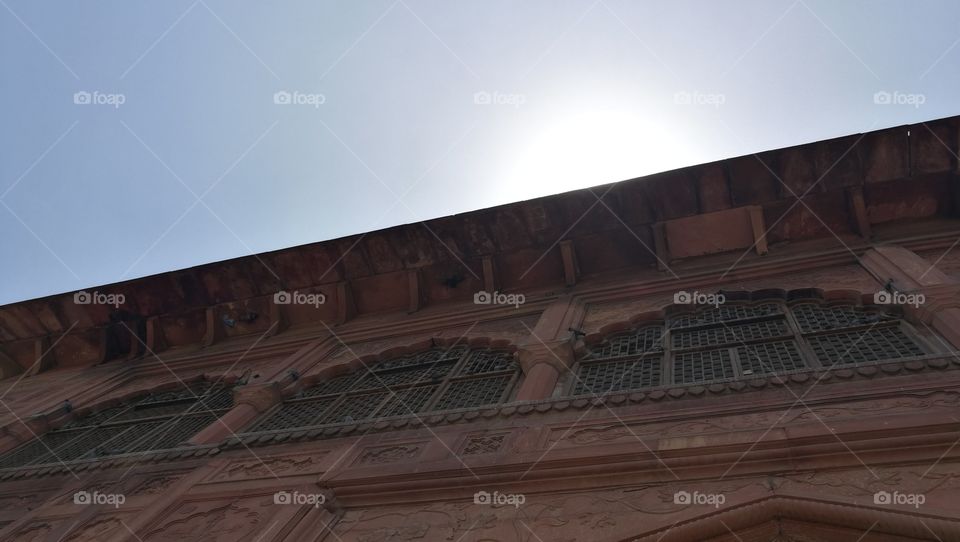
(437, 379)
(156, 421)
(741, 339)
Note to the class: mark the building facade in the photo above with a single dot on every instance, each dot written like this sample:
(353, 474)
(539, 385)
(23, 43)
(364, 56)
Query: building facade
(758, 349)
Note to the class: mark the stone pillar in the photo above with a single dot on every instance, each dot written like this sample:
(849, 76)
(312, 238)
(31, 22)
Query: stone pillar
(548, 352)
(25, 430)
(908, 273)
(542, 365)
(248, 403)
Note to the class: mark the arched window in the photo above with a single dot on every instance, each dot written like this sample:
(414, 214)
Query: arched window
(742, 340)
(157, 421)
(437, 379)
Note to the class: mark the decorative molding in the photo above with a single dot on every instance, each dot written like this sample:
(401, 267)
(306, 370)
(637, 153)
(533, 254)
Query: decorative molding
(98, 529)
(270, 467)
(800, 379)
(154, 486)
(237, 521)
(101, 463)
(36, 531)
(629, 430)
(380, 455)
(483, 444)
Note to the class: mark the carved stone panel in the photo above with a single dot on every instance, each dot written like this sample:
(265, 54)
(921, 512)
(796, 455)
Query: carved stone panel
(33, 532)
(379, 455)
(483, 444)
(155, 485)
(270, 467)
(627, 430)
(98, 529)
(243, 520)
(602, 516)
(20, 503)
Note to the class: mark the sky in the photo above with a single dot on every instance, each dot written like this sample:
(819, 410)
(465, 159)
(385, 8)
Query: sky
(141, 137)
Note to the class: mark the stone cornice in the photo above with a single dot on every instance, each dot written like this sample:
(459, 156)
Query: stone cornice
(691, 215)
(594, 291)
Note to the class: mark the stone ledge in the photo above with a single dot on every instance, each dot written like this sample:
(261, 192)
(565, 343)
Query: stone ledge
(851, 372)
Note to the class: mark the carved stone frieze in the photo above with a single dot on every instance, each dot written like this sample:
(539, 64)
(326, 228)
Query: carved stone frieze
(33, 532)
(99, 529)
(630, 430)
(154, 486)
(602, 515)
(389, 454)
(21, 502)
(269, 467)
(215, 521)
(483, 444)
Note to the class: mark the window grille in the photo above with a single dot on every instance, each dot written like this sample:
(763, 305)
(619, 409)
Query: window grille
(473, 392)
(725, 313)
(742, 340)
(604, 377)
(436, 379)
(153, 422)
(771, 357)
(875, 344)
(702, 366)
(816, 317)
(645, 340)
(729, 334)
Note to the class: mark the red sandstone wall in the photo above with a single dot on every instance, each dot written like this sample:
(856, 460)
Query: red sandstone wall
(814, 451)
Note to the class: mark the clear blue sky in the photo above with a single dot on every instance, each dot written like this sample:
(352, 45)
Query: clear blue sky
(580, 93)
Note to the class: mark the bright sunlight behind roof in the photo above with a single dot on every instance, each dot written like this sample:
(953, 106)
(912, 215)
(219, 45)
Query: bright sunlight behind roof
(569, 150)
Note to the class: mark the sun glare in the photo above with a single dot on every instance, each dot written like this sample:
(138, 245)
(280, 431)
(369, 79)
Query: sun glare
(590, 148)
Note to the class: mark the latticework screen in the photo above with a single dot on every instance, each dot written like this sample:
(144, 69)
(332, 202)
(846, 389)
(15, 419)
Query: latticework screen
(735, 340)
(156, 421)
(437, 379)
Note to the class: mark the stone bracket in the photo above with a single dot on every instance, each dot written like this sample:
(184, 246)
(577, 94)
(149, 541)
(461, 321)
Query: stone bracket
(214, 331)
(858, 208)
(346, 307)
(759, 227)
(413, 279)
(558, 354)
(260, 396)
(571, 270)
(489, 275)
(660, 246)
